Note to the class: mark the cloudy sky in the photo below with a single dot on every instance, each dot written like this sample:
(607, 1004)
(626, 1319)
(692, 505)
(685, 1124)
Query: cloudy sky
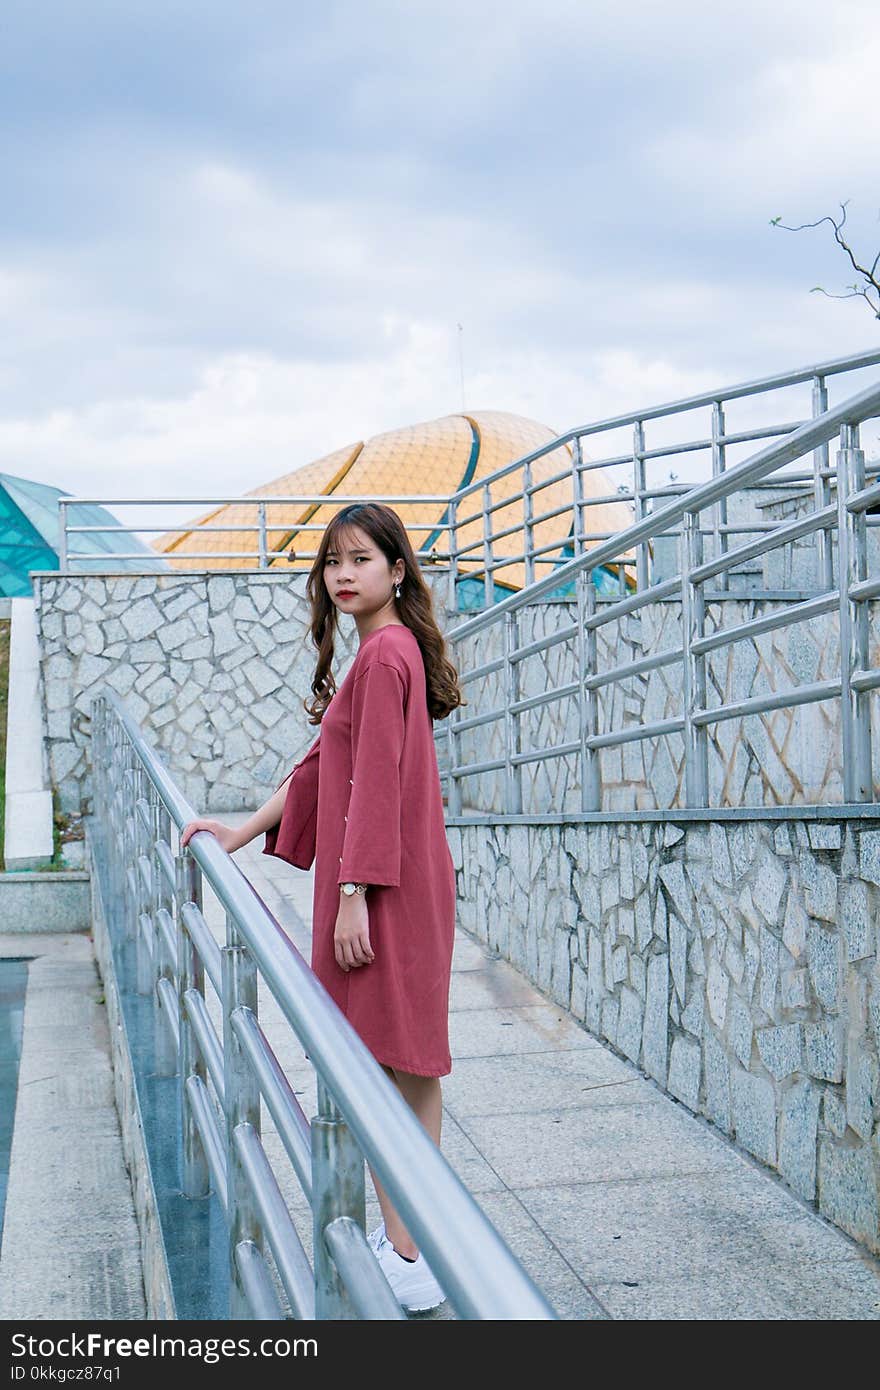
(237, 236)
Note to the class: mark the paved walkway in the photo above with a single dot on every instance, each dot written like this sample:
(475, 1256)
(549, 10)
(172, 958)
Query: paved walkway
(618, 1201)
(70, 1243)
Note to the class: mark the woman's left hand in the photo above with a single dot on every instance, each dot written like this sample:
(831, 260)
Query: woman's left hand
(351, 937)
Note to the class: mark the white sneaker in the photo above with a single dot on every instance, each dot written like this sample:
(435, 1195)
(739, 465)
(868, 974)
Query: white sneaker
(375, 1237)
(379, 1236)
(412, 1282)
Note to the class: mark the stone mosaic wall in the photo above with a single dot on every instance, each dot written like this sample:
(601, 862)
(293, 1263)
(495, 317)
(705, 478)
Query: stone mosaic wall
(735, 962)
(214, 668)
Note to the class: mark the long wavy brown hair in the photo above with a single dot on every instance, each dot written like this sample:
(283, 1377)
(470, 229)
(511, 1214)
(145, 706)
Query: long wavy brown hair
(415, 608)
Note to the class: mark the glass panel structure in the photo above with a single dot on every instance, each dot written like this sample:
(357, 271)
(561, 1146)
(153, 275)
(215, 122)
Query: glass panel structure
(29, 536)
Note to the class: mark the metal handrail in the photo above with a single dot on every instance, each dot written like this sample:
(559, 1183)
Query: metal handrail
(847, 514)
(756, 387)
(360, 1113)
(472, 558)
(863, 406)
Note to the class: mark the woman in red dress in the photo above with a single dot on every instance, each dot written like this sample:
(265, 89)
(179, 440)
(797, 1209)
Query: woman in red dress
(365, 805)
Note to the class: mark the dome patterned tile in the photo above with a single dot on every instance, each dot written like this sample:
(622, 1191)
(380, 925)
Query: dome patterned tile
(433, 457)
(281, 518)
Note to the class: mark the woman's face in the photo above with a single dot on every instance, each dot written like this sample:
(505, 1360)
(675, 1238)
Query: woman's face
(358, 577)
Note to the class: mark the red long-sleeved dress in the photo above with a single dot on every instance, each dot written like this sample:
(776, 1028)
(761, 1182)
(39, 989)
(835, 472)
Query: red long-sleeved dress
(365, 806)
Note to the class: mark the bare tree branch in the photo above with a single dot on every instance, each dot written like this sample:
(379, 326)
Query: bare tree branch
(869, 276)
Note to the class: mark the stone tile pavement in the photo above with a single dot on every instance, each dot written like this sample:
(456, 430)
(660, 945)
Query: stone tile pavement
(619, 1202)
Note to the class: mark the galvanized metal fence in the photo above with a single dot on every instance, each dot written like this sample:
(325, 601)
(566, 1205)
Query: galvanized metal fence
(839, 502)
(531, 513)
(719, 447)
(717, 530)
(156, 893)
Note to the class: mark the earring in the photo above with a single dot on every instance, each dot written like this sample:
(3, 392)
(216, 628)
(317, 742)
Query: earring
(397, 591)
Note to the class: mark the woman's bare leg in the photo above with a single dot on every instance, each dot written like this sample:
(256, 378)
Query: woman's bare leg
(424, 1096)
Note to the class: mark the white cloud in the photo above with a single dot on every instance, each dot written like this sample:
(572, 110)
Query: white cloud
(272, 264)
(804, 129)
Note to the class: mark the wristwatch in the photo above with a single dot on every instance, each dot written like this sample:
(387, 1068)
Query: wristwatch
(349, 889)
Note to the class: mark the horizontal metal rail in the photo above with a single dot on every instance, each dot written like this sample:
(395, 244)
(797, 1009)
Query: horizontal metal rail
(257, 1282)
(199, 933)
(761, 704)
(634, 668)
(168, 1000)
(779, 535)
(202, 1111)
(772, 622)
(371, 1296)
(618, 736)
(206, 1039)
(867, 589)
(291, 1260)
(165, 924)
(289, 1116)
(865, 680)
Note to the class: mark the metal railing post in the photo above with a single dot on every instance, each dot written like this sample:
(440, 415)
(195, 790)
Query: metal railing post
(639, 485)
(693, 623)
(62, 536)
(93, 753)
(577, 492)
(513, 788)
(452, 601)
(263, 541)
(453, 784)
(98, 761)
(116, 830)
(719, 511)
(143, 921)
(130, 843)
(822, 491)
(489, 574)
(165, 1049)
(242, 1095)
(337, 1190)
(528, 530)
(194, 1174)
(110, 819)
(588, 700)
(852, 566)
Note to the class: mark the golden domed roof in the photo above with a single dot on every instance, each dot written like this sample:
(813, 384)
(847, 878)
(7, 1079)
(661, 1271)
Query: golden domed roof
(434, 458)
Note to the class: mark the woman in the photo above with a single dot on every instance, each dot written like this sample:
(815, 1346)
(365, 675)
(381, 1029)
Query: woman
(365, 804)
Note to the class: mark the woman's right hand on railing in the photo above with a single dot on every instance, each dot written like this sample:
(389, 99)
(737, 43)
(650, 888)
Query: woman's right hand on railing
(227, 837)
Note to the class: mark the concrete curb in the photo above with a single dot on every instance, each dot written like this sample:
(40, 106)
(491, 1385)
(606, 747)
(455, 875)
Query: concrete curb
(45, 902)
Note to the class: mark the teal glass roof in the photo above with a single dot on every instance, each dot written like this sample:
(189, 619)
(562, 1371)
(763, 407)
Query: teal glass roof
(29, 536)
